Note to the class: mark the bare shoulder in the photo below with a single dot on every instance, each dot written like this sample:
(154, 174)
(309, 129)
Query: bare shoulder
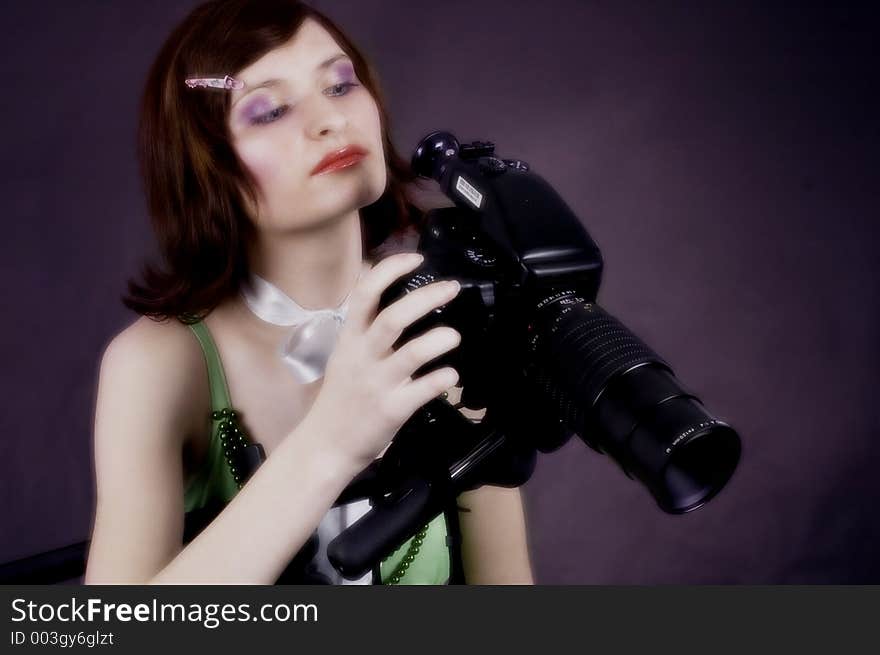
(146, 338)
(160, 364)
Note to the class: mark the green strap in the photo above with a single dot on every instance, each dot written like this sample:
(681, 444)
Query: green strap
(214, 480)
(219, 391)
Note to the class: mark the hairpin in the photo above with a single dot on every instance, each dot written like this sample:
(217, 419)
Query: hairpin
(214, 82)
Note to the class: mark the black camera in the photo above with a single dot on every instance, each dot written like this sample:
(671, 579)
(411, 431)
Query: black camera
(537, 352)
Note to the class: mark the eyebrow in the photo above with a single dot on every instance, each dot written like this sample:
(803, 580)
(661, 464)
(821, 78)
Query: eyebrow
(275, 82)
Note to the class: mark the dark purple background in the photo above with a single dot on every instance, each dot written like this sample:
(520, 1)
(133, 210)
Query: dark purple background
(724, 158)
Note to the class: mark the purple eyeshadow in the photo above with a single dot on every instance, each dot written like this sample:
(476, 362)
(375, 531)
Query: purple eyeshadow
(256, 108)
(346, 72)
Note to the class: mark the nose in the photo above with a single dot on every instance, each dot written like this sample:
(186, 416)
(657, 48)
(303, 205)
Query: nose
(325, 117)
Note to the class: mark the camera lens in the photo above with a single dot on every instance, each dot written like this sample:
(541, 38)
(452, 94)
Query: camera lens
(623, 400)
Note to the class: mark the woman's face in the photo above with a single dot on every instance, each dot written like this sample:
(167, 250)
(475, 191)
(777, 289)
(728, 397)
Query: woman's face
(308, 109)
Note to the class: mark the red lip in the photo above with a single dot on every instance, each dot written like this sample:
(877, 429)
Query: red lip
(349, 154)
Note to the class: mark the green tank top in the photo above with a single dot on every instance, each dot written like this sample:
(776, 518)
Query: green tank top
(213, 481)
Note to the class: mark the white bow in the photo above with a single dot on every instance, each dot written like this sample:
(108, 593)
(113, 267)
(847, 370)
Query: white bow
(307, 346)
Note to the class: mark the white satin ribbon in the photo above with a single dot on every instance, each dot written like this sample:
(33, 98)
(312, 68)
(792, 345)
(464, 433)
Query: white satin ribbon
(307, 345)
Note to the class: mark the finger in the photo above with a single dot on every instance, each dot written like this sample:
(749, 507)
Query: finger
(394, 319)
(365, 296)
(418, 392)
(421, 350)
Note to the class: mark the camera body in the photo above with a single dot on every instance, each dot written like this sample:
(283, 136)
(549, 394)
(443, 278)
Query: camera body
(537, 351)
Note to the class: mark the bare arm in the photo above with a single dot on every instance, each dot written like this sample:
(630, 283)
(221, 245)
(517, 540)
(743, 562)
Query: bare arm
(143, 407)
(268, 521)
(494, 547)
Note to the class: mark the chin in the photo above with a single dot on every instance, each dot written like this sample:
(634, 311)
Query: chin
(347, 196)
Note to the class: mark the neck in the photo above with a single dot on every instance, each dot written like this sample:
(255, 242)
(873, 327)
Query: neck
(316, 267)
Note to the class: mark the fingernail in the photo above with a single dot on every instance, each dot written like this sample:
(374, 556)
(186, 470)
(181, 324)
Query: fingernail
(417, 259)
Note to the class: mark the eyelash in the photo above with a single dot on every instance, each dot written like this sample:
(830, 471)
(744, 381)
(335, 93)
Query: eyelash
(266, 119)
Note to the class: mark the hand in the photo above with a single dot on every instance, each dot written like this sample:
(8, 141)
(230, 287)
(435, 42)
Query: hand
(368, 393)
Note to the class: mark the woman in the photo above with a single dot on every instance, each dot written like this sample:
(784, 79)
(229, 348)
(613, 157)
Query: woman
(243, 104)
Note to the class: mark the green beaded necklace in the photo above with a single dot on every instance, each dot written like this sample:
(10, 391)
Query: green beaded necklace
(412, 551)
(234, 439)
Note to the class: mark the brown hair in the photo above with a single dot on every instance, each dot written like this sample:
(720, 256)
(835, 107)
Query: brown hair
(193, 178)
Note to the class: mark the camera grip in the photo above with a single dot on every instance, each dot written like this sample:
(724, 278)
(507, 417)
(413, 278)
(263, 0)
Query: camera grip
(392, 520)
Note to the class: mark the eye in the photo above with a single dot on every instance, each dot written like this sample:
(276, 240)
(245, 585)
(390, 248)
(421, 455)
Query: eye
(343, 85)
(270, 116)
